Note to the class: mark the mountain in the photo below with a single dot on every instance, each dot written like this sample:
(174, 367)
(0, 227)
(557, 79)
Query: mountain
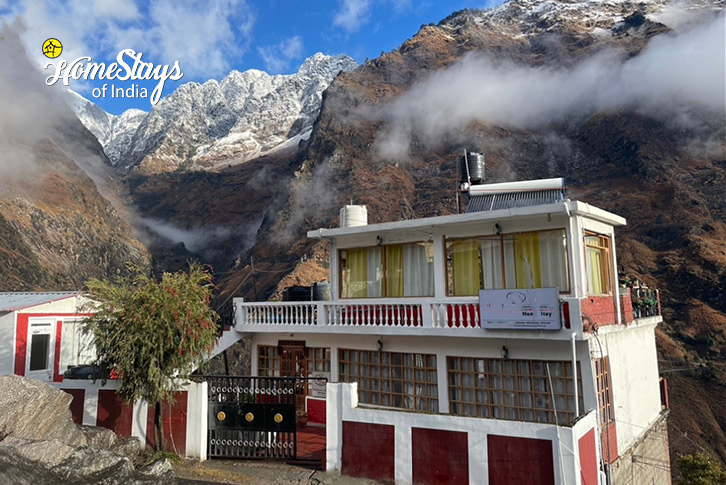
(215, 124)
(62, 211)
(623, 99)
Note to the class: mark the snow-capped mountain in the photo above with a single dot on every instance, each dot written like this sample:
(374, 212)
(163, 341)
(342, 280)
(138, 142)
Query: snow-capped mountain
(218, 123)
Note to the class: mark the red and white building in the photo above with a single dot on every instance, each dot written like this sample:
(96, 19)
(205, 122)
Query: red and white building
(40, 338)
(493, 346)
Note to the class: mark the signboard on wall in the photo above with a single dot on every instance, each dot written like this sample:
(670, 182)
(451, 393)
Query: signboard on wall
(319, 381)
(520, 309)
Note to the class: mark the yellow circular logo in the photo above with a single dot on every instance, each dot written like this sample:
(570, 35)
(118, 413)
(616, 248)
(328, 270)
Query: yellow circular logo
(52, 48)
(249, 417)
(278, 418)
(221, 415)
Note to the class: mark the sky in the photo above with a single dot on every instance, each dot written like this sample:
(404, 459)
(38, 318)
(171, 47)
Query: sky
(209, 38)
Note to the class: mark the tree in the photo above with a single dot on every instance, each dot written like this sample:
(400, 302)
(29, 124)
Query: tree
(700, 469)
(152, 333)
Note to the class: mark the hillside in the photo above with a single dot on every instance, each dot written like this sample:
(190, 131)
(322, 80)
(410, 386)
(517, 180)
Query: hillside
(389, 134)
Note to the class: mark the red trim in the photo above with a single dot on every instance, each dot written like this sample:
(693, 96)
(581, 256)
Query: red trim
(21, 343)
(588, 458)
(174, 421)
(113, 413)
(57, 376)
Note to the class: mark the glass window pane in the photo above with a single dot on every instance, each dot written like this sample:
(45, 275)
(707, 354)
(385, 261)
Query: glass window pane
(39, 347)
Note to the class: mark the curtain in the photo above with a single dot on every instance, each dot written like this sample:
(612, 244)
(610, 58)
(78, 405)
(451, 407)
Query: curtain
(374, 273)
(465, 260)
(527, 260)
(418, 270)
(394, 271)
(594, 271)
(357, 274)
(553, 260)
(491, 264)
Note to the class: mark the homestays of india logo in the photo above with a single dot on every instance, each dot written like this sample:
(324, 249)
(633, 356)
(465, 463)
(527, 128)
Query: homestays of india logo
(128, 67)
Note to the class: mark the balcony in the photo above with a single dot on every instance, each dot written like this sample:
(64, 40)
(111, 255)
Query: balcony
(389, 316)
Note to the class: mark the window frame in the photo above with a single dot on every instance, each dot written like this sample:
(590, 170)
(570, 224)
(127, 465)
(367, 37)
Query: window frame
(449, 267)
(384, 270)
(605, 258)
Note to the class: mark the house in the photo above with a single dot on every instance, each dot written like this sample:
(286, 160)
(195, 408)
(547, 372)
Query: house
(41, 338)
(492, 346)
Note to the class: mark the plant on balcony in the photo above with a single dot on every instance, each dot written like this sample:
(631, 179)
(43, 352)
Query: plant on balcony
(151, 333)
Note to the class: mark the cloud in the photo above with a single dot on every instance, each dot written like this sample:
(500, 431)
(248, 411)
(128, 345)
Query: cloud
(207, 37)
(352, 14)
(673, 77)
(277, 57)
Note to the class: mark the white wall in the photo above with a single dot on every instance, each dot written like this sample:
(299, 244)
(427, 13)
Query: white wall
(7, 343)
(634, 377)
(342, 405)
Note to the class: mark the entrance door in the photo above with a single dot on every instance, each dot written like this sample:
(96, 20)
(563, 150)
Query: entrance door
(293, 363)
(40, 350)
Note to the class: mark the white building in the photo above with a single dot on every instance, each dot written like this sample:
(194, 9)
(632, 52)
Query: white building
(493, 346)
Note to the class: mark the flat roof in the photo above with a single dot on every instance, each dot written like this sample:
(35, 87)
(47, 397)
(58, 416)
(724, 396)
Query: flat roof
(569, 207)
(12, 301)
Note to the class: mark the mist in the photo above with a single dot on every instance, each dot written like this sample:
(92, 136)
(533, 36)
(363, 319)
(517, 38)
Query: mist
(676, 75)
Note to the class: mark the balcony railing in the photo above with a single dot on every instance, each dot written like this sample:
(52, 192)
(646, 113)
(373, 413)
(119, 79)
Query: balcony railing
(460, 313)
(645, 301)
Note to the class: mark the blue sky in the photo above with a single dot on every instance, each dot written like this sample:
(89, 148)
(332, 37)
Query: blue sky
(209, 38)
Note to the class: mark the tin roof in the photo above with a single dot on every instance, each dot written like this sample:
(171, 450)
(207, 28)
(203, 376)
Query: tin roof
(12, 301)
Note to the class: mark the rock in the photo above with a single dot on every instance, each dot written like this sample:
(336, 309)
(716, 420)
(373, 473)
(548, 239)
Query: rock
(40, 444)
(33, 410)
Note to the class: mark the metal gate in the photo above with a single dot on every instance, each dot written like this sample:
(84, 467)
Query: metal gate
(252, 417)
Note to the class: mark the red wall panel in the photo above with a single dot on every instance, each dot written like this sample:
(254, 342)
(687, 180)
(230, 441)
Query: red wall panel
(588, 458)
(520, 460)
(174, 424)
(57, 375)
(316, 411)
(76, 404)
(609, 439)
(440, 456)
(21, 343)
(598, 310)
(368, 451)
(113, 413)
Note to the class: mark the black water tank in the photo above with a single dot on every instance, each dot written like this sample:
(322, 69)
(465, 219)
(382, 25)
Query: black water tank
(321, 291)
(475, 163)
(296, 293)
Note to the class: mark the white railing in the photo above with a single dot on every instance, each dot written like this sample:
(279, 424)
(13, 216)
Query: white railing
(458, 313)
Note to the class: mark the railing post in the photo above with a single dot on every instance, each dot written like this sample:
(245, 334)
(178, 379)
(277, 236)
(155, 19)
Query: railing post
(322, 310)
(426, 315)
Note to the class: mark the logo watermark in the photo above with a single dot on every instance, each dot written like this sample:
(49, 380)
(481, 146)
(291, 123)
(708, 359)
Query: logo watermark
(129, 66)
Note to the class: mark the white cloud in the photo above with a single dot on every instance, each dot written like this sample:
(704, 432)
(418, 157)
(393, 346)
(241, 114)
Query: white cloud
(672, 76)
(277, 57)
(206, 36)
(352, 14)
(117, 9)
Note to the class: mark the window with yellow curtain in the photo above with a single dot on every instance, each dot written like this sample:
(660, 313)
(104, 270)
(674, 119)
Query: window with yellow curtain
(522, 260)
(356, 273)
(597, 258)
(394, 271)
(466, 278)
(527, 260)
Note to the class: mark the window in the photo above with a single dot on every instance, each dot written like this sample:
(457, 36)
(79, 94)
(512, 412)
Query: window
(604, 390)
(316, 361)
(388, 271)
(394, 379)
(76, 347)
(524, 260)
(39, 349)
(597, 262)
(522, 390)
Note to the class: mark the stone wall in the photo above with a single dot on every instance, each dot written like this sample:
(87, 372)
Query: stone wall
(647, 462)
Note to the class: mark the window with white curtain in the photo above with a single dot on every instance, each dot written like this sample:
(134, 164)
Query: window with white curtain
(392, 271)
(521, 260)
(76, 346)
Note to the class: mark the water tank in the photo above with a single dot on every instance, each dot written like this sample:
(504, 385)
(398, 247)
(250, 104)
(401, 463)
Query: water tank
(321, 291)
(471, 168)
(353, 215)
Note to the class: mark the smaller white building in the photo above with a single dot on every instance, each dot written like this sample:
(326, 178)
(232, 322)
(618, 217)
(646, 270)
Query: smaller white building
(41, 337)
